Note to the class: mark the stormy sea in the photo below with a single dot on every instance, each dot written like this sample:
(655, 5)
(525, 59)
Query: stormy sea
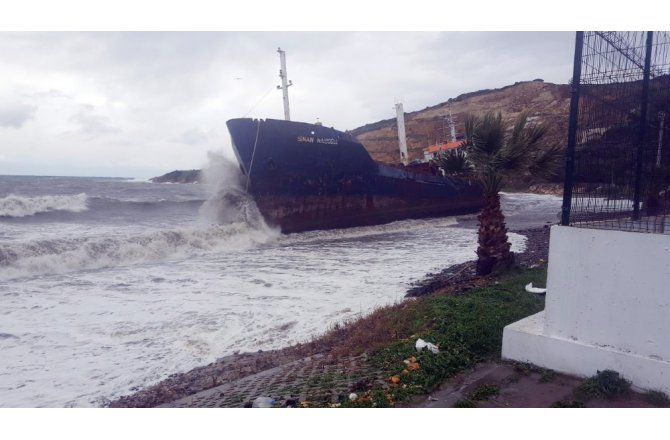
(108, 285)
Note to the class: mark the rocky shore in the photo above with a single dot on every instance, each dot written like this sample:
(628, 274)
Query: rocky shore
(454, 279)
(462, 276)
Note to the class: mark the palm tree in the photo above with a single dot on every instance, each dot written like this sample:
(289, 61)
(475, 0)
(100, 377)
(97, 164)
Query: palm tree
(453, 162)
(496, 154)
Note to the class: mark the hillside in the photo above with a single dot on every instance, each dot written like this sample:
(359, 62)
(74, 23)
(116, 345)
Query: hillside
(547, 103)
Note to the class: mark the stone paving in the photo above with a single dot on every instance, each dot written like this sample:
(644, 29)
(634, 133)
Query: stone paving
(317, 379)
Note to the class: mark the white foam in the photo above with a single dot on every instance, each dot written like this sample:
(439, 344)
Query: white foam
(18, 206)
(58, 256)
(368, 231)
(515, 203)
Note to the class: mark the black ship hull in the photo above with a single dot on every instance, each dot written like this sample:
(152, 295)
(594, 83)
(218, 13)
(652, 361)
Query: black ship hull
(305, 177)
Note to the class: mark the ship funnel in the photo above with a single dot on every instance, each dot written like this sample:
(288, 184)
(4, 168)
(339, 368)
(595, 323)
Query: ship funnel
(402, 138)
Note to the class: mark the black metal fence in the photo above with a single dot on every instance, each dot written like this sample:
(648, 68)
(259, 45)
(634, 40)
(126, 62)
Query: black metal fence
(618, 155)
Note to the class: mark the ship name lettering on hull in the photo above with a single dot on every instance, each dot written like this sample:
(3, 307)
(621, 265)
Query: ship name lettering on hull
(310, 140)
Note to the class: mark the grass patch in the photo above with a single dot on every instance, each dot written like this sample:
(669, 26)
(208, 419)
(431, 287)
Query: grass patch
(525, 369)
(657, 398)
(484, 392)
(467, 328)
(568, 404)
(607, 383)
(465, 403)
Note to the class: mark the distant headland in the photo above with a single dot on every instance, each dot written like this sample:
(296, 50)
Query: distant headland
(179, 176)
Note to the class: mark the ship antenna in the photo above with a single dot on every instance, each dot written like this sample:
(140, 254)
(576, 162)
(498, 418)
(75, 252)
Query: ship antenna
(402, 138)
(284, 84)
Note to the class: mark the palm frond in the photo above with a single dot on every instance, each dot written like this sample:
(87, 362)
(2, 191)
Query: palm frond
(496, 153)
(518, 130)
(534, 133)
(453, 162)
(548, 163)
(491, 182)
(485, 135)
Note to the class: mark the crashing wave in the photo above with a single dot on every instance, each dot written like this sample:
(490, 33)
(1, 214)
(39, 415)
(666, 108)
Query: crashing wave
(64, 255)
(18, 206)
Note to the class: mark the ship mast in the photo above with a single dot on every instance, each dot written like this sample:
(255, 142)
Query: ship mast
(402, 138)
(452, 127)
(284, 83)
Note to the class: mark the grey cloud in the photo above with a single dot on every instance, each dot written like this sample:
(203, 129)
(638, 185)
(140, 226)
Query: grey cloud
(158, 85)
(48, 94)
(91, 123)
(16, 114)
(193, 136)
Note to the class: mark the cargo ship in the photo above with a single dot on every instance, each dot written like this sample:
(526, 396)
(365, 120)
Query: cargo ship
(307, 176)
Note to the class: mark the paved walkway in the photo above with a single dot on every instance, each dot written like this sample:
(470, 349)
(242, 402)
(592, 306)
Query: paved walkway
(317, 379)
(322, 381)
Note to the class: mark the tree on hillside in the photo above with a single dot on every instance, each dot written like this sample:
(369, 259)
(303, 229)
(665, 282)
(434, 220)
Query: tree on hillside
(496, 154)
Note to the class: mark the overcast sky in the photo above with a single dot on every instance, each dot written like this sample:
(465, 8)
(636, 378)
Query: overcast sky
(139, 104)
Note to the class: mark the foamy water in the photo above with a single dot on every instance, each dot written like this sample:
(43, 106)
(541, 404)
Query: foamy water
(17, 206)
(144, 283)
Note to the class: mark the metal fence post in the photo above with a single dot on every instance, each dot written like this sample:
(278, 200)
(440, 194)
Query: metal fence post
(643, 127)
(572, 129)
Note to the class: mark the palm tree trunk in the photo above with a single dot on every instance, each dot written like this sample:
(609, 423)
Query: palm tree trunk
(493, 252)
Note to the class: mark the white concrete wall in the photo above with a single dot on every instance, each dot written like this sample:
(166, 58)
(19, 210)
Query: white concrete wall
(610, 289)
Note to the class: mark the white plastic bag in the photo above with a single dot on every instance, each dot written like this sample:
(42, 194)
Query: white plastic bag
(421, 344)
(531, 289)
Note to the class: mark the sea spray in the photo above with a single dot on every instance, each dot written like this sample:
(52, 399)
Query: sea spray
(228, 202)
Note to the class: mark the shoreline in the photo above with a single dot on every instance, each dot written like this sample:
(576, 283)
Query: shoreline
(453, 279)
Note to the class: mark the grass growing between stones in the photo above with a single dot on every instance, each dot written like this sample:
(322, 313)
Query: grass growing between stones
(607, 383)
(467, 328)
(482, 392)
(657, 398)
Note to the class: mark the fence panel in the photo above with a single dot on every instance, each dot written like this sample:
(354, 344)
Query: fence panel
(618, 159)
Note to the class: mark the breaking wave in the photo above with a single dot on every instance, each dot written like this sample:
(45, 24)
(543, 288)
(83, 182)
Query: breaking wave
(229, 220)
(18, 206)
(368, 232)
(109, 203)
(55, 256)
